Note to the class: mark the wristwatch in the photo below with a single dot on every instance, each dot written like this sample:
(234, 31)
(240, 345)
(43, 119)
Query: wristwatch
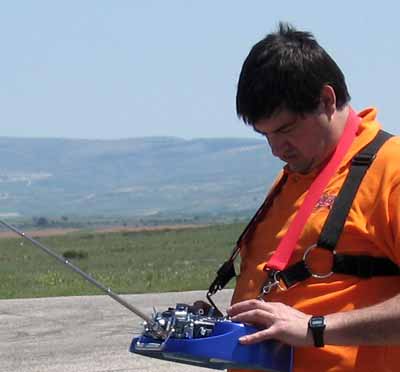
(317, 325)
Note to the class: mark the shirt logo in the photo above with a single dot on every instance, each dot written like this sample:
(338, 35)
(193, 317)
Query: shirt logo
(325, 201)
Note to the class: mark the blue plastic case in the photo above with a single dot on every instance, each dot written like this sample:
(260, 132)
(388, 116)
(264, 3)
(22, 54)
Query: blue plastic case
(220, 350)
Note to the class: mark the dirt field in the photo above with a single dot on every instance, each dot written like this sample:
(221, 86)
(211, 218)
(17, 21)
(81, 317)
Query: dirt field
(60, 231)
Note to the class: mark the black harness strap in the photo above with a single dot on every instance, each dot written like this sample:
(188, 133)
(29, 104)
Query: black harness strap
(334, 224)
(227, 271)
(364, 266)
(361, 265)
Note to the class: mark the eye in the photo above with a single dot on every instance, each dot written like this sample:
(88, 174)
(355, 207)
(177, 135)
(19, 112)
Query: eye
(286, 129)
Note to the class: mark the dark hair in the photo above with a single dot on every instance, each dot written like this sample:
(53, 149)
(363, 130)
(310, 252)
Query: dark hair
(287, 69)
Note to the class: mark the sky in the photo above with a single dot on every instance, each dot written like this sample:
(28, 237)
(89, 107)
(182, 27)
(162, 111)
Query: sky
(135, 68)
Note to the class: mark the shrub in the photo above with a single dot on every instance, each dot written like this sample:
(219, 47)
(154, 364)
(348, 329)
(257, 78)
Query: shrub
(75, 254)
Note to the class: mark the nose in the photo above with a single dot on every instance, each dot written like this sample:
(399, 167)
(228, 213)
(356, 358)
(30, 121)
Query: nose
(277, 144)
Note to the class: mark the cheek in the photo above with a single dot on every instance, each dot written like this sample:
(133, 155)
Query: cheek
(311, 143)
(301, 144)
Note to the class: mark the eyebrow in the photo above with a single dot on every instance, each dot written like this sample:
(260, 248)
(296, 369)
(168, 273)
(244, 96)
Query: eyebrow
(283, 126)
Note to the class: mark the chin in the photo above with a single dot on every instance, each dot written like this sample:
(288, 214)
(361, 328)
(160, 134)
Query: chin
(299, 168)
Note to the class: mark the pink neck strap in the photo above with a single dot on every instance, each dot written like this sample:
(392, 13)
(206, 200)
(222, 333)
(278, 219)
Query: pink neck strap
(284, 251)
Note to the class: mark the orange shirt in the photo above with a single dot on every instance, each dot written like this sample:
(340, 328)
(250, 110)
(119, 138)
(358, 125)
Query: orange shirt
(372, 228)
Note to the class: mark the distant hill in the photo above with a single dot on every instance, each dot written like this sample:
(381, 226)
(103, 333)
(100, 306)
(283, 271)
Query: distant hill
(133, 177)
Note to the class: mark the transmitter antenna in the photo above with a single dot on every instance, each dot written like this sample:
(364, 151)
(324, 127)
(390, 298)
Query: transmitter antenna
(87, 277)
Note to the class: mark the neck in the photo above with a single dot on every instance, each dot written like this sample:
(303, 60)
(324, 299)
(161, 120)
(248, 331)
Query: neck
(337, 123)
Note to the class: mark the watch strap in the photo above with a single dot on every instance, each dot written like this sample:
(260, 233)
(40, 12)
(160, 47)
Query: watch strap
(317, 325)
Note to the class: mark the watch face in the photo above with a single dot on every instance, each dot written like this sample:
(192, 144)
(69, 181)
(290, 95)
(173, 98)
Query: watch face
(318, 322)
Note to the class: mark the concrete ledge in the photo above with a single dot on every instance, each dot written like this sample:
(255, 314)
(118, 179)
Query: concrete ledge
(84, 333)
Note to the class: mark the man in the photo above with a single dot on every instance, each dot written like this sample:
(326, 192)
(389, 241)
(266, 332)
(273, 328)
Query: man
(293, 93)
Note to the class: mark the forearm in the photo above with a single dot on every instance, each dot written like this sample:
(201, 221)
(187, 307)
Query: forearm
(375, 325)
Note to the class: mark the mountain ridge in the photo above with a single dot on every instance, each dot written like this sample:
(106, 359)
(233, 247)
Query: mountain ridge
(133, 176)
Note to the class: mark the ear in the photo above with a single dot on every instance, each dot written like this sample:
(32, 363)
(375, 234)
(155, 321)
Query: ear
(328, 100)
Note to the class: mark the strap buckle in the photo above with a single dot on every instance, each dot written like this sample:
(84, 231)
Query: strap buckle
(313, 274)
(273, 281)
(224, 274)
(363, 159)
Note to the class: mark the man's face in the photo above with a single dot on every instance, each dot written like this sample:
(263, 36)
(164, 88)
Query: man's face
(304, 142)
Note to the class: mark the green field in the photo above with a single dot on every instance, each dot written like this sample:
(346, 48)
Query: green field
(128, 262)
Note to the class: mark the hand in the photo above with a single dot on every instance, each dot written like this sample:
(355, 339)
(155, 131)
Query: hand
(275, 320)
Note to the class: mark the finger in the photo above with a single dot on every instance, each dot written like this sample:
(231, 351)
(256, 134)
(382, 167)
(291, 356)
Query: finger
(244, 306)
(265, 334)
(256, 317)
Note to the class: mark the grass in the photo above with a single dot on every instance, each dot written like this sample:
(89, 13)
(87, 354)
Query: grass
(127, 262)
